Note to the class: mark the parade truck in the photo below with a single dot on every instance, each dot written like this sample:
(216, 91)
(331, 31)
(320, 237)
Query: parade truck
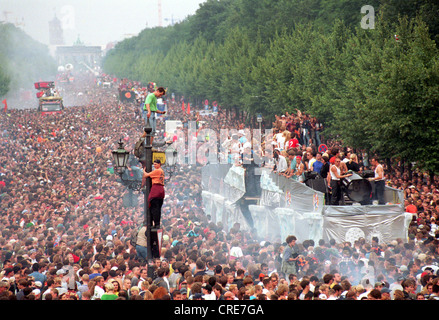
(49, 101)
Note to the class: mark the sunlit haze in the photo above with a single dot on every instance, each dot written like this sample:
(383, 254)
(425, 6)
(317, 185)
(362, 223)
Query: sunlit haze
(95, 22)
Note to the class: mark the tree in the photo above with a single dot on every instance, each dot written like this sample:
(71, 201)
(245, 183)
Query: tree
(5, 80)
(210, 20)
(393, 89)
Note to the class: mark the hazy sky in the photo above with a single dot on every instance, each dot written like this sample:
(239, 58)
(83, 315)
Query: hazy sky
(97, 22)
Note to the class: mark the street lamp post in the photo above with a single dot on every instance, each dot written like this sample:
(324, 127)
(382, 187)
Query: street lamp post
(121, 158)
(148, 168)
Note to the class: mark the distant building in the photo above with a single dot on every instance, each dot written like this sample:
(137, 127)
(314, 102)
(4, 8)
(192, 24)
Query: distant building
(56, 35)
(78, 55)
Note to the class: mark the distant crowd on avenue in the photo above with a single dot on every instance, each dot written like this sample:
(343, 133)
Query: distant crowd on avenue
(66, 231)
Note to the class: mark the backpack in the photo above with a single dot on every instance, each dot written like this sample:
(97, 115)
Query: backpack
(139, 148)
(133, 237)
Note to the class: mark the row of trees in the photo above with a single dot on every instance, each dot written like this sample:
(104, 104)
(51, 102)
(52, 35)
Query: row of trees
(5, 80)
(375, 89)
(23, 60)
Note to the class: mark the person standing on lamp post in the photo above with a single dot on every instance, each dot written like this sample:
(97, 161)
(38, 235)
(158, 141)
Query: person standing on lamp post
(150, 107)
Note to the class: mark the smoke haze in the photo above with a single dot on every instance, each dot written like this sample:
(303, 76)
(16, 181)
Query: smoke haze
(97, 22)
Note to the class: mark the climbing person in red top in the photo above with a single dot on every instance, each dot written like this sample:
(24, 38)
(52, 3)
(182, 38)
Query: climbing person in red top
(157, 192)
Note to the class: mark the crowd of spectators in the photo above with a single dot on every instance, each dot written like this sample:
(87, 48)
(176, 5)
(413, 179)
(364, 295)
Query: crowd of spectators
(66, 232)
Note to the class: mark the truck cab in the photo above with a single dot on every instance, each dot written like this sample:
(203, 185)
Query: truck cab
(50, 105)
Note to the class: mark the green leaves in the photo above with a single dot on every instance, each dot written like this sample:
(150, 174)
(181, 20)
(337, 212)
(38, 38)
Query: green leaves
(396, 85)
(5, 79)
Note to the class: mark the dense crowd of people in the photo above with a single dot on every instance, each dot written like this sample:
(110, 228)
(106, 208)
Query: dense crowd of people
(66, 231)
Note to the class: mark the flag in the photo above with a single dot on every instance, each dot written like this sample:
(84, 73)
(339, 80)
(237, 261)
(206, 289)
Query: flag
(126, 95)
(182, 106)
(6, 104)
(188, 108)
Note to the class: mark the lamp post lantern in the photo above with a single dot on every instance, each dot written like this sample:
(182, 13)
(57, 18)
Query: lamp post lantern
(120, 157)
